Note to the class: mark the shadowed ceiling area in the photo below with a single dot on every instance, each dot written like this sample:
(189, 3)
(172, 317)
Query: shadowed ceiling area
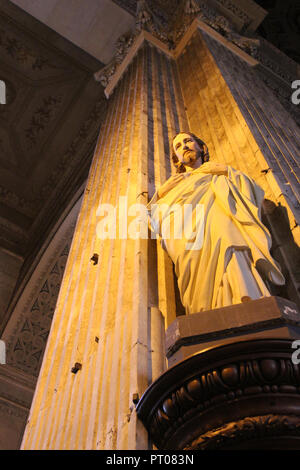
(48, 127)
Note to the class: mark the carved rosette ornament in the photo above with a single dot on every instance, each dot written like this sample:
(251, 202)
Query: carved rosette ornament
(240, 395)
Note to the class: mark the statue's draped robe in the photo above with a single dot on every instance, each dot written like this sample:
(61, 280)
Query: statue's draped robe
(234, 260)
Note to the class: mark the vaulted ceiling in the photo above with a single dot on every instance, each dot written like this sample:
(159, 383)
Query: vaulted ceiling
(48, 127)
(49, 52)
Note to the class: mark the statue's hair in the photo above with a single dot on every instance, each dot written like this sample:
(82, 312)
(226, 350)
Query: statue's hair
(180, 168)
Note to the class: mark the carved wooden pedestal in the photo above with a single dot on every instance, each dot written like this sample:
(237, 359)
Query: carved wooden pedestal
(238, 393)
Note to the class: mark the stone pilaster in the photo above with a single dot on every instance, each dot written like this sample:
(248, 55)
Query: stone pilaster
(108, 315)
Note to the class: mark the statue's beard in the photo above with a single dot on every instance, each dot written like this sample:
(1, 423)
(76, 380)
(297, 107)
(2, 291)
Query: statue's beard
(191, 156)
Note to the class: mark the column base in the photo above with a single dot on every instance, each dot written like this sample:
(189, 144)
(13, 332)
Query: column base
(240, 391)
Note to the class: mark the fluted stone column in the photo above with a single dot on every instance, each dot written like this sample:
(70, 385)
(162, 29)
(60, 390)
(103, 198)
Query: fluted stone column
(108, 316)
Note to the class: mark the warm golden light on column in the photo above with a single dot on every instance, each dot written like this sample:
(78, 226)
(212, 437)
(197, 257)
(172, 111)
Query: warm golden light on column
(108, 313)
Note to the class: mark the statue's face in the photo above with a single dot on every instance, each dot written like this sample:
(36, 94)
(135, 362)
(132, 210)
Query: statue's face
(186, 149)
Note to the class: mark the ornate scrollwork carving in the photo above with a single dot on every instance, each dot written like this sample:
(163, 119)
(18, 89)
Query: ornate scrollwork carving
(247, 429)
(170, 32)
(246, 384)
(145, 20)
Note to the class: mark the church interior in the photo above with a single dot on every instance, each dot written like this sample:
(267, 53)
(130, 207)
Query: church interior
(99, 351)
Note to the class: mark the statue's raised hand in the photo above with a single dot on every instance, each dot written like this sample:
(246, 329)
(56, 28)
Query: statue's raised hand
(214, 168)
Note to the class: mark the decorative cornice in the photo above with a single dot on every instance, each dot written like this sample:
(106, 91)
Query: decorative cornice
(219, 23)
(189, 16)
(128, 5)
(248, 14)
(137, 44)
(110, 75)
(233, 46)
(123, 46)
(145, 21)
(276, 62)
(148, 20)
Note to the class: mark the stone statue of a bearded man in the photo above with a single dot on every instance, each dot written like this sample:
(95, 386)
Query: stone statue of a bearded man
(232, 263)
